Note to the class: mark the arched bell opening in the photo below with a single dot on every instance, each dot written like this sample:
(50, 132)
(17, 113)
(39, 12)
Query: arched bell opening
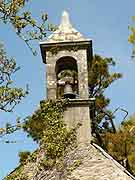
(67, 78)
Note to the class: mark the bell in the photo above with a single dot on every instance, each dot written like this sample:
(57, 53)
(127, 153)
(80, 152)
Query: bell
(68, 91)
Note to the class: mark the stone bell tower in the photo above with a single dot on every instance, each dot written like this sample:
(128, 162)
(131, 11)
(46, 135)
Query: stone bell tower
(68, 55)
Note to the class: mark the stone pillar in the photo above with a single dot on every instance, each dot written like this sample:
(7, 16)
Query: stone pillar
(51, 81)
(78, 112)
(82, 74)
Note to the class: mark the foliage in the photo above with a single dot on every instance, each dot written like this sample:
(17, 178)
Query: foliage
(48, 114)
(100, 78)
(10, 128)
(9, 96)
(14, 13)
(26, 27)
(23, 157)
(47, 127)
(75, 164)
(131, 38)
(121, 145)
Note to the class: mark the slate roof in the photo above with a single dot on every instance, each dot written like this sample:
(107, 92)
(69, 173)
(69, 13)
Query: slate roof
(95, 164)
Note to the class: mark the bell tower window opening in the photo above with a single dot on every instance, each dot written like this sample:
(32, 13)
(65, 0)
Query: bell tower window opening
(67, 78)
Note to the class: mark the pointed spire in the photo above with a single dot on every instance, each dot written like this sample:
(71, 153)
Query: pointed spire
(65, 31)
(65, 21)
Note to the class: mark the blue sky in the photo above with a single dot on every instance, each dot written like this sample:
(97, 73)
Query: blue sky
(106, 23)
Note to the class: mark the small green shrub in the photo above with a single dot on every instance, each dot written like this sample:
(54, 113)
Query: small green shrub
(23, 156)
(48, 115)
(47, 127)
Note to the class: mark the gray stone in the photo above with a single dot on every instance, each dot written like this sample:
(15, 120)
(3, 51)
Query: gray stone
(95, 164)
(65, 32)
(70, 45)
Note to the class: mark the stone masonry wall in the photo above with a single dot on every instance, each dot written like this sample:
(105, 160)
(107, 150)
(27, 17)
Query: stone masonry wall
(81, 57)
(77, 112)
